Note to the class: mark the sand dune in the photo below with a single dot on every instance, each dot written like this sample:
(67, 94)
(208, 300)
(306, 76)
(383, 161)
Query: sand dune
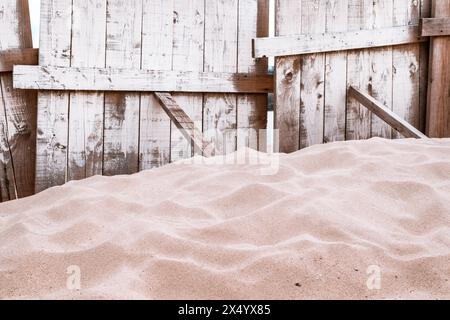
(354, 220)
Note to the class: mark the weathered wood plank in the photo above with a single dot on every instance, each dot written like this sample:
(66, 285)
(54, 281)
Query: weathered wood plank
(438, 117)
(221, 45)
(335, 73)
(188, 44)
(252, 108)
(425, 12)
(109, 79)
(435, 27)
(123, 50)
(53, 114)
(406, 67)
(392, 119)
(312, 82)
(287, 78)
(86, 110)
(335, 41)
(157, 46)
(185, 124)
(11, 57)
(17, 109)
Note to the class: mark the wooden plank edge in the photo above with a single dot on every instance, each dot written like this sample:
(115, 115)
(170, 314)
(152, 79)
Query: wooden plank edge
(392, 119)
(339, 41)
(435, 27)
(11, 57)
(109, 79)
(185, 124)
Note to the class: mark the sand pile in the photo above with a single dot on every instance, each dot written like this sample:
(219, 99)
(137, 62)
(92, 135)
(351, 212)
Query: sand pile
(344, 220)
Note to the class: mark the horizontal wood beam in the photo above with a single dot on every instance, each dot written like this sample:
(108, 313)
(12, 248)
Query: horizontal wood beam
(435, 27)
(109, 79)
(385, 114)
(328, 42)
(11, 57)
(185, 124)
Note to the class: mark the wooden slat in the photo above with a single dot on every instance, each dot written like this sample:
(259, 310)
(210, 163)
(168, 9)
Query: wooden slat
(221, 47)
(312, 82)
(392, 119)
(339, 41)
(287, 78)
(406, 67)
(435, 27)
(252, 108)
(11, 57)
(123, 49)
(438, 118)
(53, 107)
(157, 48)
(188, 44)
(86, 110)
(17, 108)
(185, 124)
(335, 71)
(425, 12)
(109, 79)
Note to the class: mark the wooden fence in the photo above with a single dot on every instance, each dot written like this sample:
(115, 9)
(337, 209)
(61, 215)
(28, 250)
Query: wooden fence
(81, 134)
(17, 108)
(312, 104)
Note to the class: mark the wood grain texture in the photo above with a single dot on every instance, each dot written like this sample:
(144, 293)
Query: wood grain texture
(17, 108)
(251, 108)
(86, 110)
(287, 78)
(53, 107)
(438, 116)
(406, 67)
(123, 50)
(336, 40)
(11, 57)
(335, 75)
(221, 47)
(157, 53)
(435, 27)
(388, 116)
(188, 44)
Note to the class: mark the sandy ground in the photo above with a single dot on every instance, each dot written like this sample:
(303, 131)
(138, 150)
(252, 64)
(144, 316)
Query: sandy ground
(351, 220)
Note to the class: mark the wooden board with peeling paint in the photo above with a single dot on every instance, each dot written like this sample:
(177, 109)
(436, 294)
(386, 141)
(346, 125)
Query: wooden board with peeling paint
(83, 134)
(17, 109)
(312, 104)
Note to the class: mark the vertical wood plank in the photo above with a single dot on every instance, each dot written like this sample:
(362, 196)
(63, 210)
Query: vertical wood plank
(86, 110)
(219, 110)
(312, 87)
(425, 12)
(438, 114)
(335, 75)
(251, 109)
(406, 75)
(53, 107)
(123, 50)
(157, 38)
(188, 44)
(287, 78)
(18, 110)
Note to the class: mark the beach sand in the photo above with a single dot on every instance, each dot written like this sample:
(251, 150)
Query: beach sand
(353, 220)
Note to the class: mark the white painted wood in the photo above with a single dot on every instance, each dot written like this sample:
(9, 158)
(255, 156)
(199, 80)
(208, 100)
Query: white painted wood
(53, 107)
(86, 110)
(336, 41)
(123, 50)
(157, 44)
(188, 44)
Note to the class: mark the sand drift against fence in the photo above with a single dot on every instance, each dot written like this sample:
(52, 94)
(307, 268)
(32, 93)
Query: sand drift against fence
(345, 220)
